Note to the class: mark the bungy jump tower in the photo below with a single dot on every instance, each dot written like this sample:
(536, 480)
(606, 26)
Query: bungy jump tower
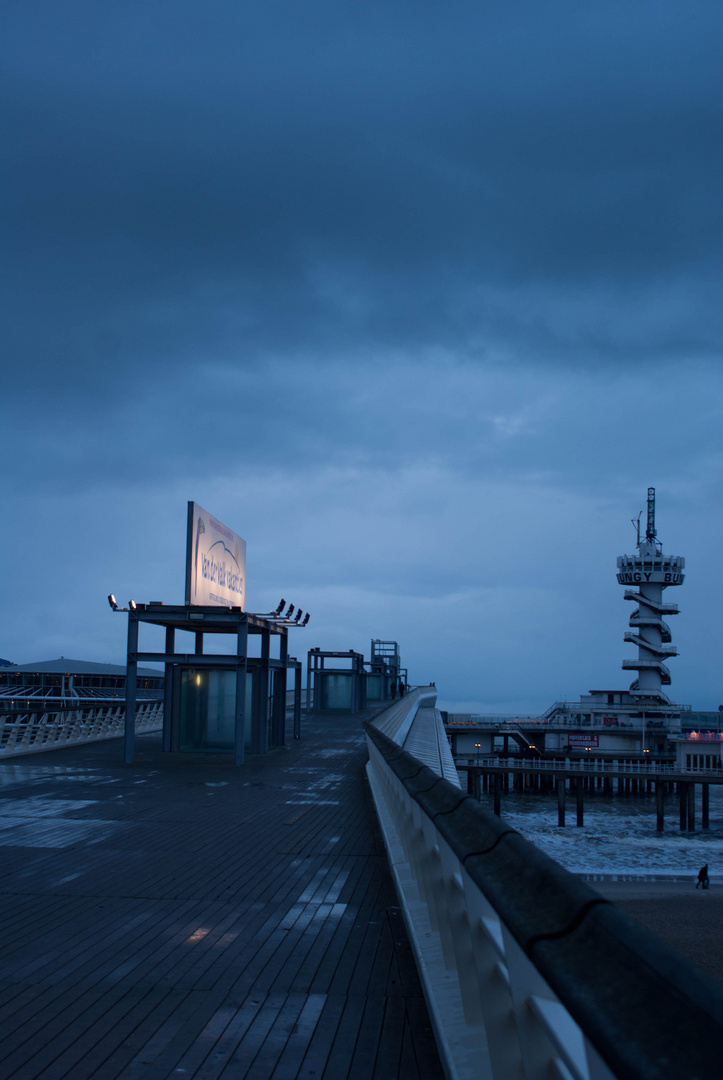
(641, 720)
(647, 574)
(634, 725)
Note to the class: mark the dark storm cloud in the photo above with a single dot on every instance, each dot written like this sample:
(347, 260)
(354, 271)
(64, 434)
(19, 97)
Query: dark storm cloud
(209, 184)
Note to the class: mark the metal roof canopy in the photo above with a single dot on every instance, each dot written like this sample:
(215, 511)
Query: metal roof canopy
(63, 666)
(212, 620)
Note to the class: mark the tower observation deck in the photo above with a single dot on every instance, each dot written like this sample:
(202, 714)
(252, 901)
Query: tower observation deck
(646, 574)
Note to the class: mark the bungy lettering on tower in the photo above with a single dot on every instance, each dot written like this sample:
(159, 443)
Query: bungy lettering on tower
(646, 575)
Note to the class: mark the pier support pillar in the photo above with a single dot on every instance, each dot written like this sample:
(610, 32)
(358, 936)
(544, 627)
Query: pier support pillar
(660, 805)
(691, 807)
(705, 810)
(683, 800)
(476, 786)
(561, 800)
(497, 793)
(579, 801)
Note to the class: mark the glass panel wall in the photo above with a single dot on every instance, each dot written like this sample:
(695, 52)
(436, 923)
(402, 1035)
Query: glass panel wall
(336, 692)
(374, 687)
(207, 708)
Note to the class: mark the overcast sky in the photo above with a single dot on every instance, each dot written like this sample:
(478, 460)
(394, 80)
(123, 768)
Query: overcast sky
(418, 298)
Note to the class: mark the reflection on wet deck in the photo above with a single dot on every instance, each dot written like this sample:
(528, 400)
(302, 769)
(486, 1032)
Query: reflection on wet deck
(188, 918)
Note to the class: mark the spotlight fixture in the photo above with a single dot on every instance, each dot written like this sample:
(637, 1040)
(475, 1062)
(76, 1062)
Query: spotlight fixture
(280, 608)
(290, 612)
(132, 605)
(306, 619)
(299, 613)
(112, 602)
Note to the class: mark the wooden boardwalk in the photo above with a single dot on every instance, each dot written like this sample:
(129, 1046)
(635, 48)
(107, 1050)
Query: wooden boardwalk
(181, 918)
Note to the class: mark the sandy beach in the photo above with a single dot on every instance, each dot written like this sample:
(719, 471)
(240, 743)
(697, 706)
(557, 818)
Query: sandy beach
(689, 919)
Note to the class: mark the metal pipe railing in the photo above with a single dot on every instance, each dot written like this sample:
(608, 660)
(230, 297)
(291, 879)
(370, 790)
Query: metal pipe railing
(632, 768)
(31, 730)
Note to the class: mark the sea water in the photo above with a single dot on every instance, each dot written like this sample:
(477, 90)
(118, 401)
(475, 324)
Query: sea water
(619, 838)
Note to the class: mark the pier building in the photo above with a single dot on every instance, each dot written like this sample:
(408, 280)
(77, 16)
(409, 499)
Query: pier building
(74, 681)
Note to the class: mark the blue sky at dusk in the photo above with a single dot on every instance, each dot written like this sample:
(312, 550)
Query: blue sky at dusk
(417, 298)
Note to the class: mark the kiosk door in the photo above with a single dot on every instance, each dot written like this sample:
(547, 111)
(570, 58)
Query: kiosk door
(207, 708)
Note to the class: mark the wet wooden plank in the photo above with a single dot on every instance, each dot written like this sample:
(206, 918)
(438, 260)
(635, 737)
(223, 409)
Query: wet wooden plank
(227, 922)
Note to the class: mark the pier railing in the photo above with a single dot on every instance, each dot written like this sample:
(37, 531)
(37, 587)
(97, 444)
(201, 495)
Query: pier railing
(52, 724)
(527, 971)
(517, 763)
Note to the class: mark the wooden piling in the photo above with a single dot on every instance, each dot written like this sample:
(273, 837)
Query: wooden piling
(683, 801)
(691, 806)
(705, 810)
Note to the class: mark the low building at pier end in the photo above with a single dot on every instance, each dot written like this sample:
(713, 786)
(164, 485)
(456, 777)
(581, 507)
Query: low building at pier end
(74, 682)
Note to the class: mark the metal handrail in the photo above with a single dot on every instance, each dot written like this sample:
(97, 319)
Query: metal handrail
(540, 765)
(47, 727)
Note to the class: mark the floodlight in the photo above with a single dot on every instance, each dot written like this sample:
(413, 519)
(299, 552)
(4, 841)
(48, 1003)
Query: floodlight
(132, 605)
(112, 601)
(299, 613)
(280, 608)
(306, 619)
(290, 612)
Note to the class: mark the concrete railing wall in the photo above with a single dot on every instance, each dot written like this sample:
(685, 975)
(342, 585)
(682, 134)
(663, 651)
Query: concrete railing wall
(45, 728)
(527, 972)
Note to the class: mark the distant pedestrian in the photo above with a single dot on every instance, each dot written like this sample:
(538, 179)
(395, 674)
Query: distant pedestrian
(703, 877)
(393, 689)
(401, 688)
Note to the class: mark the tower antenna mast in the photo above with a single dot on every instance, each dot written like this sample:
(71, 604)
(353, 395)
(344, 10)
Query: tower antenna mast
(636, 526)
(650, 532)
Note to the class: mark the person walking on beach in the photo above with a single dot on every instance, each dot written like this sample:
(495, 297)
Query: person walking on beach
(703, 877)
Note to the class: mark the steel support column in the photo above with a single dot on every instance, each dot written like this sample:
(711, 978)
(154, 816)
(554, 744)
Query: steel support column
(168, 690)
(259, 737)
(297, 701)
(241, 674)
(129, 734)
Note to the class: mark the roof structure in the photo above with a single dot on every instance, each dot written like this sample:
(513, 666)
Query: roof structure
(64, 666)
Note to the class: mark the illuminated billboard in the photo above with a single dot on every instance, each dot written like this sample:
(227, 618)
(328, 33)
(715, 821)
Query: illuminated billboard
(215, 562)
